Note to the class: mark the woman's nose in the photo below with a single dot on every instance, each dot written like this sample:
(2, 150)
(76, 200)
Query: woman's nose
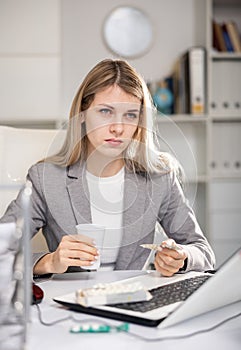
(117, 128)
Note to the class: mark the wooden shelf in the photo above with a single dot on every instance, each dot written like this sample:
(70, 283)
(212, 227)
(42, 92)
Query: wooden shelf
(228, 176)
(200, 179)
(227, 56)
(225, 118)
(225, 3)
(32, 123)
(181, 118)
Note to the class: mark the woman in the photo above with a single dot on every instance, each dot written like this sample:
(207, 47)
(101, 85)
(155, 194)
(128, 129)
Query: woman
(109, 172)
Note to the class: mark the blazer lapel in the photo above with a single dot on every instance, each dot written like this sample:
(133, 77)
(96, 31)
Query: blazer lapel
(134, 206)
(78, 191)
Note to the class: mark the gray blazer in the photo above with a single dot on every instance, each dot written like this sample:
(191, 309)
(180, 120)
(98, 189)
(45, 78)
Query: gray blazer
(60, 201)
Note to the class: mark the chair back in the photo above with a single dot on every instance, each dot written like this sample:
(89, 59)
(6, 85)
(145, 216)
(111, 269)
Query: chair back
(19, 149)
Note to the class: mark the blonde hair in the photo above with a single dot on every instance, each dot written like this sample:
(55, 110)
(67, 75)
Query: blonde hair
(142, 154)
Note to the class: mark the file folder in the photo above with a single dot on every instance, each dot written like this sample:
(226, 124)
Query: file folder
(197, 80)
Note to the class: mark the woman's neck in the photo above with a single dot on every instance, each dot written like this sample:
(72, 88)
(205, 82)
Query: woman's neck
(103, 167)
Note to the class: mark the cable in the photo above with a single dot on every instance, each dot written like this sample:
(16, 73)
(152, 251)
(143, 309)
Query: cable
(134, 334)
(68, 318)
(49, 323)
(206, 330)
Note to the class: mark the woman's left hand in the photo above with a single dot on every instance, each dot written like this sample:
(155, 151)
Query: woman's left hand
(169, 261)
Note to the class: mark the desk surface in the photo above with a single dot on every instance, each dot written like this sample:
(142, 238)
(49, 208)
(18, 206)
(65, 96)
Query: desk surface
(227, 336)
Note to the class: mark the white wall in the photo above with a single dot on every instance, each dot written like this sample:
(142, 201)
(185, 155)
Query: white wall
(30, 54)
(174, 25)
(47, 46)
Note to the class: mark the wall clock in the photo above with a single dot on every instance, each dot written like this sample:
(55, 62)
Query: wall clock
(128, 32)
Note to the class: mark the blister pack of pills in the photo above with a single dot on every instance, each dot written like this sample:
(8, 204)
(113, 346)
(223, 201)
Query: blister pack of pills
(88, 327)
(112, 293)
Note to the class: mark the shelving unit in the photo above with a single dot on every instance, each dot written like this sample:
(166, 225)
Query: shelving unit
(224, 109)
(215, 140)
(185, 137)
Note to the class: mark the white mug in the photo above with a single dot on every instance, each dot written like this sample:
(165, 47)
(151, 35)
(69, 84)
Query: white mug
(97, 233)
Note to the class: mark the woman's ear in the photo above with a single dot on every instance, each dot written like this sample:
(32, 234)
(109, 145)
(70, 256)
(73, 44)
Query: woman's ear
(82, 117)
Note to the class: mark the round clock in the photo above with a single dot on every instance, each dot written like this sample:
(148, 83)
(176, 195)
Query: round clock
(128, 32)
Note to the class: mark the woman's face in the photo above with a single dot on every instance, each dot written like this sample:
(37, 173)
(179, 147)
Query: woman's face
(111, 121)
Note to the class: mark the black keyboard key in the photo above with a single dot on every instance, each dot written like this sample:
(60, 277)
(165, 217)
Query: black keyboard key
(165, 295)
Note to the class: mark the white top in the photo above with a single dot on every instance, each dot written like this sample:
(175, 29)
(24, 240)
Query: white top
(106, 202)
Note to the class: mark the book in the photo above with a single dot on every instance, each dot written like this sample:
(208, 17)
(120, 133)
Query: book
(227, 39)
(218, 38)
(234, 35)
(170, 85)
(179, 86)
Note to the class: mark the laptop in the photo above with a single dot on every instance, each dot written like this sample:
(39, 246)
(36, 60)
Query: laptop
(175, 299)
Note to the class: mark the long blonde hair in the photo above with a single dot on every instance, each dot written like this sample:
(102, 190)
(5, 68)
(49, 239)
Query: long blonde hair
(142, 155)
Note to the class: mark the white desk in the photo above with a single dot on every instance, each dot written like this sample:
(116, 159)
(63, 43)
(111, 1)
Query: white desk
(58, 336)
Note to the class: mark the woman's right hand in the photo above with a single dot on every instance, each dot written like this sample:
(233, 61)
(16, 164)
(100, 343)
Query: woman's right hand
(72, 250)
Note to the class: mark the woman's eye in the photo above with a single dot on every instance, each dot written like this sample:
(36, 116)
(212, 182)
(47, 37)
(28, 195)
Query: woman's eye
(105, 111)
(131, 115)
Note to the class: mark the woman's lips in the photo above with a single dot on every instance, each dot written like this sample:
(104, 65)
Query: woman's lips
(114, 142)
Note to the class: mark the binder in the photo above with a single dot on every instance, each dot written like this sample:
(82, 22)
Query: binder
(196, 66)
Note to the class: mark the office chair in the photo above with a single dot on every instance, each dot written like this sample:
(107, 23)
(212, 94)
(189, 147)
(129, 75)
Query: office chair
(19, 149)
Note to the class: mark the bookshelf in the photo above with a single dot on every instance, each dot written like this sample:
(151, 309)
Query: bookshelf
(185, 137)
(214, 189)
(224, 135)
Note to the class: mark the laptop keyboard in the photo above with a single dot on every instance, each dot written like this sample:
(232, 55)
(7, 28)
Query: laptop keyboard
(165, 295)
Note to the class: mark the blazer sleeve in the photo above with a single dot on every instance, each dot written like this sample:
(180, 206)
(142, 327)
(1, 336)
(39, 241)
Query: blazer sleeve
(179, 223)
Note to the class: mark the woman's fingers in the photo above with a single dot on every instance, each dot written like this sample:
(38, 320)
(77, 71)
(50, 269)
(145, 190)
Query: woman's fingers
(81, 254)
(80, 238)
(73, 252)
(162, 270)
(169, 261)
(76, 262)
(70, 244)
(70, 239)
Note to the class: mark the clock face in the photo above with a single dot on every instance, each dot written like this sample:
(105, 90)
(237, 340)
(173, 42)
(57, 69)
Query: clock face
(128, 32)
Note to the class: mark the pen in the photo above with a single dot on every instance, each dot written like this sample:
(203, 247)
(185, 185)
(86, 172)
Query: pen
(171, 245)
(151, 246)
